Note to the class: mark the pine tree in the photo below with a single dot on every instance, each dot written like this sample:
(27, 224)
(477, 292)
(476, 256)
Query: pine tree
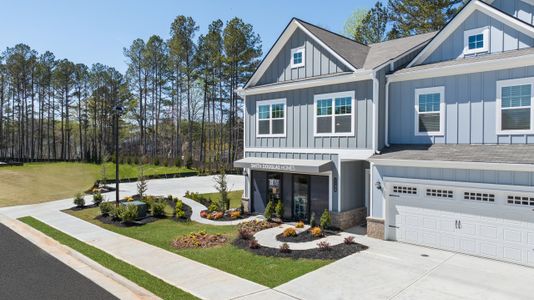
(368, 27)
(410, 17)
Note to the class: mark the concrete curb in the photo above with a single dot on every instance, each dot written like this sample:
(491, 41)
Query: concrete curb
(114, 283)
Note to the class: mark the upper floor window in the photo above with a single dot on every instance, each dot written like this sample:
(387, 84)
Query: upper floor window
(430, 111)
(334, 114)
(514, 106)
(298, 57)
(476, 40)
(271, 120)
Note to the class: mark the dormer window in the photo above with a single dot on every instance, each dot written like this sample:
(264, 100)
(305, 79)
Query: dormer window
(298, 57)
(476, 41)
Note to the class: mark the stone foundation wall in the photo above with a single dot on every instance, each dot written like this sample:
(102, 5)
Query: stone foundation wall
(375, 228)
(348, 219)
(246, 204)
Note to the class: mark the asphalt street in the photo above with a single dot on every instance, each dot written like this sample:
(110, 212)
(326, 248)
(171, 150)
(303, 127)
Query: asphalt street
(27, 272)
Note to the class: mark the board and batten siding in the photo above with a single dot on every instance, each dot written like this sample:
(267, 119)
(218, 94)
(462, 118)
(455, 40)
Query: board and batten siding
(502, 38)
(470, 109)
(300, 119)
(318, 62)
(455, 175)
(517, 8)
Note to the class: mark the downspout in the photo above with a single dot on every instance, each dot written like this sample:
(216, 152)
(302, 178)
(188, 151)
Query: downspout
(386, 135)
(376, 106)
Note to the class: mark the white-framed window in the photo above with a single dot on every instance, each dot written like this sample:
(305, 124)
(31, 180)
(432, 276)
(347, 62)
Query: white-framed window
(334, 114)
(271, 118)
(514, 106)
(476, 40)
(298, 57)
(430, 111)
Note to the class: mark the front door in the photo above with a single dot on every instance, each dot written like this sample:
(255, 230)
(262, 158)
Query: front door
(301, 196)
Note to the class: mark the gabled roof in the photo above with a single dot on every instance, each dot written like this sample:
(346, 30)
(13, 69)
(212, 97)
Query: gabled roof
(463, 14)
(354, 55)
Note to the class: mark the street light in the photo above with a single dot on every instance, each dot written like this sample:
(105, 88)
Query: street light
(118, 110)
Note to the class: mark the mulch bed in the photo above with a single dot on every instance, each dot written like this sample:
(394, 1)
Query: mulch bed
(199, 240)
(336, 252)
(302, 237)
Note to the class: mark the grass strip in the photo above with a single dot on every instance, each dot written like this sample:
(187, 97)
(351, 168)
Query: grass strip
(134, 274)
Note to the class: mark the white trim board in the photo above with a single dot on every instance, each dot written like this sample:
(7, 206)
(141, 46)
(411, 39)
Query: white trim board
(344, 154)
(279, 45)
(464, 68)
(499, 109)
(454, 165)
(471, 7)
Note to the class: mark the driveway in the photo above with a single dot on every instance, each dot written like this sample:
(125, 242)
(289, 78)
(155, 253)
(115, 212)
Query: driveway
(27, 272)
(392, 270)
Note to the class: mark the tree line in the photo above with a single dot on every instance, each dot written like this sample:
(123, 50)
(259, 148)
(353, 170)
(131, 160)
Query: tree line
(178, 93)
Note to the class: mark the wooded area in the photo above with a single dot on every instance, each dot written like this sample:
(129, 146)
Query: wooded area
(179, 96)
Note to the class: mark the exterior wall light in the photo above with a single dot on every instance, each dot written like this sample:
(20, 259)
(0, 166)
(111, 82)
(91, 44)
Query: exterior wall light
(378, 185)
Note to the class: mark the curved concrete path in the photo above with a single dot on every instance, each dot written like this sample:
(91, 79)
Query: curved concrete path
(267, 238)
(197, 208)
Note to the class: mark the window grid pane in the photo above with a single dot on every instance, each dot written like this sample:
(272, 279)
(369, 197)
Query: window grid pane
(278, 111)
(263, 113)
(476, 41)
(429, 103)
(324, 107)
(516, 96)
(297, 58)
(343, 106)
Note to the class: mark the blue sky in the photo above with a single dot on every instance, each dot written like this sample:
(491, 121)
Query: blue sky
(93, 31)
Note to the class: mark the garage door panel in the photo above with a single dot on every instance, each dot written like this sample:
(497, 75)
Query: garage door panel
(448, 242)
(430, 238)
(447, 225)
(430, 223)
(468, 228)
(512, 235)
(489, 249)
(513, 254)
(489, 231)
(468, 246)
(530, 258)
(530, 238)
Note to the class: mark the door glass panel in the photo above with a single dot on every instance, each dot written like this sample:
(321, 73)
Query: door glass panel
(274, 187)
(300, 197)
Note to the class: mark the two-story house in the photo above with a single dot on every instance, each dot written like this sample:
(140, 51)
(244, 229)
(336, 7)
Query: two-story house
(429, 137)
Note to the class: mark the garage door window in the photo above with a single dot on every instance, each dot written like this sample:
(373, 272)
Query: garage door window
(520, 200)
(481, 197)
(399, 189)
(439, 193)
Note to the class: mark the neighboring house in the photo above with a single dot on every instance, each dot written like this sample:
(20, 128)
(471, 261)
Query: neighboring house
(430, 137)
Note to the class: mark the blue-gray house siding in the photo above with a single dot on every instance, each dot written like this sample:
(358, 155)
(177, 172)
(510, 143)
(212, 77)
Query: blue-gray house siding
(470, 114)
(300, 119)
(318, 62)
(502, 38)
(517, 8)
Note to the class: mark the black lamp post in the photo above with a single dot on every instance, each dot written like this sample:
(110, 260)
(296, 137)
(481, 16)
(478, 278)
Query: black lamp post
(118, 110)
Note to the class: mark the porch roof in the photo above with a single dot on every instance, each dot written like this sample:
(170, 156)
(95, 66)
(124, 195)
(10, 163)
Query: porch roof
(285, 165)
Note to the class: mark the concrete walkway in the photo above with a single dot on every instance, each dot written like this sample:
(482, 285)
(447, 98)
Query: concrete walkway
(267, 238)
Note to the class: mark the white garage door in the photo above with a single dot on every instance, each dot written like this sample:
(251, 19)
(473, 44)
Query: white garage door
(497, 224)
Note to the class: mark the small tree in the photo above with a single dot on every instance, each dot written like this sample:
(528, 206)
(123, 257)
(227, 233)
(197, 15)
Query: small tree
(142, 185)
(79, 200)
(279, 209)
(222, 188)
(326, 220)
(269, 210)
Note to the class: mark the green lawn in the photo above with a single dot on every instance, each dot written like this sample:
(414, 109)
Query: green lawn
(42, 182)
(235, 198)
(138, 276)
(269, 271)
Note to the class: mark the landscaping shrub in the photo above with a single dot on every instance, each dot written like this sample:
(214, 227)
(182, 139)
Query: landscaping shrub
(269, 210)
(284, 248)
(279, 209)
(79, 201)
(179, 205)
(316, 232)
(142, 185)
(299, 224)
(222, 188)
(326, 220)
(97, 198)
(324, 246)
(245, 234)
(199, 239)
(106, 208)
(204, 214)
(349, 240)
(253, 244)
(179, 209)
(242, 209)
(289, 232)
(218, 215)
(129, 199)
(256, 225)
(213, 207)
(158, 208)
(236, 214)
(180, 214)
(313, 223)
(128, 214)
